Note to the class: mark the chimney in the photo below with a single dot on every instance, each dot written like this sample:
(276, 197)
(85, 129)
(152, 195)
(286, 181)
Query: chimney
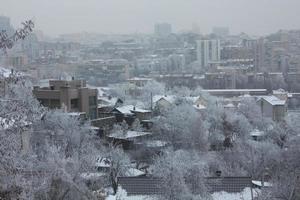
(73, 78)
(133, 107)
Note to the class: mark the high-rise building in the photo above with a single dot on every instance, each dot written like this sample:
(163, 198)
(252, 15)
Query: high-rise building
(221, 31)
(5, 25)
(163, 29)
(208, 51)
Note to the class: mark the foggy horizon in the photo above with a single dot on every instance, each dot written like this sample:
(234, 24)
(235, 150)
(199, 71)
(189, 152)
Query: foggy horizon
(257, 17)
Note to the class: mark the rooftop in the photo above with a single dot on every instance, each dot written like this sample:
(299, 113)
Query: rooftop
(273, 100)
(151, 186)
(128, 135)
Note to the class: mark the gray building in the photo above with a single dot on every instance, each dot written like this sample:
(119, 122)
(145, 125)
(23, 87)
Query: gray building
(73, 95)
(208, 51)
(162, 29)
(5, 25)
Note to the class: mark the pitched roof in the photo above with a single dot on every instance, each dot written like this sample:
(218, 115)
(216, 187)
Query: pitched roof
(228, 184)
(170, 98)
(140, 185)
(273, 100)
(151, 186)
(130, 110)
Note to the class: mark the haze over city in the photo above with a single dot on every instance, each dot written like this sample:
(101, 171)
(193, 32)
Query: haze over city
(57, 17)
(149, 100)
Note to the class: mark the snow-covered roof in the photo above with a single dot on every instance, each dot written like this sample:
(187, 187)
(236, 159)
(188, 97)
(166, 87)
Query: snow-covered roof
(199, 107)
(90, 175)
(169, 98)
(130, 109)
(155, 143)
(273, 100)
(132, 172)
(257, 133)
(245, 195)
(111, 101)
(280, 91)
(259, 183)
(229, 105)
(129, 135)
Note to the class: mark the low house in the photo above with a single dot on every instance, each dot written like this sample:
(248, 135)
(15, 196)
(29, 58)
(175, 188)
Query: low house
(129, 113)
(219, 187)
(163, 102)
(106, 104)
(105, 124)
(110, 101)
(257, 135)
(128, 139)
(272, 107)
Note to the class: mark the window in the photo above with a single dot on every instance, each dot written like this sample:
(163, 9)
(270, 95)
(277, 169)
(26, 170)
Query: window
(54, 103)
(92, 100)
(74, 103)
(93, 113)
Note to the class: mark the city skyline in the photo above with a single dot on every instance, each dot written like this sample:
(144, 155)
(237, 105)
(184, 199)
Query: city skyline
(258, 17)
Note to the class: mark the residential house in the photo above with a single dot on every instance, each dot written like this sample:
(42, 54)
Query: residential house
(272, 107)
(129, 113)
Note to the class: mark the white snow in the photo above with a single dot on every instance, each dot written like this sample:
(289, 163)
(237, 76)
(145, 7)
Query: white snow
(5, 72)
(129, 135)
(245, 195)
(170, 98)
(132, 172)
(273, 100)
(259, 183)
(90, 175)
(156, 143)
(257, 133)
(129, 109)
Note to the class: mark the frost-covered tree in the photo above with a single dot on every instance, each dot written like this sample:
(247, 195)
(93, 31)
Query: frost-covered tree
(182, 126)
(43, 152)
(119, 163)
(182, 175)
(7, 41)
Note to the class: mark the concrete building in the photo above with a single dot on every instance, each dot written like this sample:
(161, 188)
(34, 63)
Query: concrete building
(73, 95)
(162, 29)
(221, 31)
(208, 51)
(5, 25)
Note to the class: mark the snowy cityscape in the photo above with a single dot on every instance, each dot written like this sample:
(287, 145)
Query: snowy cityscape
(149, 100)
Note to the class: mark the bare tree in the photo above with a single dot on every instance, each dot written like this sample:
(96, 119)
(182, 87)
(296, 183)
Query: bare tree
(7, 42)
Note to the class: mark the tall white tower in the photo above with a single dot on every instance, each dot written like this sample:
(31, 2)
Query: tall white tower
(208, 51)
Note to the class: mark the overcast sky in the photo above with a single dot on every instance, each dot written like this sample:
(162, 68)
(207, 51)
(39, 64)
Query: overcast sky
(55, 17)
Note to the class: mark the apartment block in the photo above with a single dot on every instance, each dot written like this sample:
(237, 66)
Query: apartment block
(72, 95)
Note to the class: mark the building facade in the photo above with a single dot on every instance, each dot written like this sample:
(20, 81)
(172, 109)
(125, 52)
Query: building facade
(162, 29)
(208, 51)
(73, 96)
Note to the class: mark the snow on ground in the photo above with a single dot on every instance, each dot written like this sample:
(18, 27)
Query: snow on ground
(245, 195)
(259, 183)
(5, 72)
